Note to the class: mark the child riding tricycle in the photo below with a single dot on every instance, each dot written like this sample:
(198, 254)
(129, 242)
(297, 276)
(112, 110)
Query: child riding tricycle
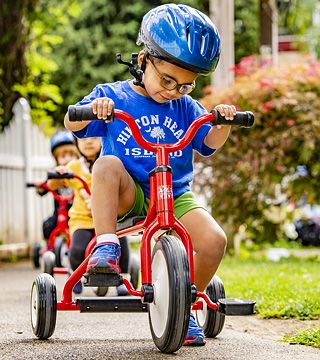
(145, 170)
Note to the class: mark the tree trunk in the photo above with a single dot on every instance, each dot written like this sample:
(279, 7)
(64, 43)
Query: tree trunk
(269, 31)
(13, 42)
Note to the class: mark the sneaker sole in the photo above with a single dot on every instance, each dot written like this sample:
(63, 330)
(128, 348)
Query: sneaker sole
(103, 269)
(194, 343)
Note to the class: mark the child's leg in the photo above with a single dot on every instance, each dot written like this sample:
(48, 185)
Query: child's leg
(48, 226)
(80, 240)
(113, 193)
(209, 243)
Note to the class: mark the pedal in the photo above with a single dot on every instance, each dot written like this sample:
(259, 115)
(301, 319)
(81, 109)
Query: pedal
(236, 306)
(102, 279)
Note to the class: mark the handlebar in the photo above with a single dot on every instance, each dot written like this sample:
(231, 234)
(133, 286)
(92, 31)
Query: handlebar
(51, 174)
(82, 113)
(54, 175)
(243, 119)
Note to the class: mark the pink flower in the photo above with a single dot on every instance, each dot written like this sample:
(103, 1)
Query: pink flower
(265, 83)
(267, 106)
(291, 122)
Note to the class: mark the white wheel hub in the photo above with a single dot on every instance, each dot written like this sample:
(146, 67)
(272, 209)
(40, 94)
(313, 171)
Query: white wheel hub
(201, 315)
(34, 306)
(159, 309)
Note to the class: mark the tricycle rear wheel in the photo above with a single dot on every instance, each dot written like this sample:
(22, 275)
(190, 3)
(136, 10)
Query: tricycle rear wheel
(36, 255)
(210, 320)
(61, 252)
(134, 269)
(43, 306)
(49, 261)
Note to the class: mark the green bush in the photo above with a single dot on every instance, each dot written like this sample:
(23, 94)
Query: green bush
(253, 178)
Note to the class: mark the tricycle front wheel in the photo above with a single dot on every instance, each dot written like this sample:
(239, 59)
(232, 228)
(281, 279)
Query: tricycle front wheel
(170, 310)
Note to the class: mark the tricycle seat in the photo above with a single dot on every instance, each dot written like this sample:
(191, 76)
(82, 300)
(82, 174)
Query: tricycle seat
(129, 222)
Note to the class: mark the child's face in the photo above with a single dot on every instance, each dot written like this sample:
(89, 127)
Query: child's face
(65, 153)
(90, 147)
(156, 71)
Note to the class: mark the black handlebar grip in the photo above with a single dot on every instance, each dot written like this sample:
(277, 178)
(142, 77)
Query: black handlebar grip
(30, 185)
(82, 113)
(242, 119)
(55, 175)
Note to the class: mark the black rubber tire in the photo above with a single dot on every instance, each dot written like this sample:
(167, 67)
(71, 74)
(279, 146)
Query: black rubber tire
(49, 261)
(211, 321)
(36, 255)
(101, 290)
(61, 252)
(43, 306)
(134, 269)
(170, 273)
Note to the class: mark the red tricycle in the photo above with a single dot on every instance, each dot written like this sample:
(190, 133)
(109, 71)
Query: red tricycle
(168, 292)
(56, 251)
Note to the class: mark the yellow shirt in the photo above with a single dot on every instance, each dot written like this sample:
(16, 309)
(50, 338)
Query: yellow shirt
(80, 216)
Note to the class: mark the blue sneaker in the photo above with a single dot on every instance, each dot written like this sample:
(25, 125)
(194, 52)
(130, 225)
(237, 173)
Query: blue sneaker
(77, 289)
(195, 335)
(104, 259)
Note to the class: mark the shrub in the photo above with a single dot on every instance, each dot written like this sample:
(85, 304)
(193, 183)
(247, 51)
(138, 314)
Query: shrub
(256, 170)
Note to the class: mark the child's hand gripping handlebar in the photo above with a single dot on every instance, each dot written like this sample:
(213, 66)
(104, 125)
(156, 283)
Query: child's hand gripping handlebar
(69, 175)
(243, 119)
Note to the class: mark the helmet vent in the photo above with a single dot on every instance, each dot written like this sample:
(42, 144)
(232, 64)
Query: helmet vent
(188, 37)
(203, 43)
(170, 18)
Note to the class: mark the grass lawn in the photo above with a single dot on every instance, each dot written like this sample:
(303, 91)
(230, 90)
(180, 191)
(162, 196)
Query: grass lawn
(286, 289)
(310, 337)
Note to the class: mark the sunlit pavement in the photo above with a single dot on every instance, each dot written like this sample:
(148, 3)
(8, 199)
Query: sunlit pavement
(113, 335)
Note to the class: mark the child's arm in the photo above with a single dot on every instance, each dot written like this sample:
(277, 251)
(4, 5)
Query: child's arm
(102, 107)
(86, 198)
(218, 135)
(55, 184)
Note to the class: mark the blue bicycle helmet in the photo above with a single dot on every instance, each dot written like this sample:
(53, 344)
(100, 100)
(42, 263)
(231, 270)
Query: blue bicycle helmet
(62, 137)
(181, 35)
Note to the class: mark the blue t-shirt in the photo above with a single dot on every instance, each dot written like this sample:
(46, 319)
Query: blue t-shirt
(158, 123)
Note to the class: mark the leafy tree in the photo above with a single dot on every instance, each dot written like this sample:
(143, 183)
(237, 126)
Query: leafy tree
(246, 32)
(28, 38)
(295, 16)
(91, 41)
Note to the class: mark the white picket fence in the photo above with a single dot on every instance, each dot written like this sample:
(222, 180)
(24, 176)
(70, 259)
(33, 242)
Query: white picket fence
(24, 156)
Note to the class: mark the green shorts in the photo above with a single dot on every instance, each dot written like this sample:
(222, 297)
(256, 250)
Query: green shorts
(182, 204)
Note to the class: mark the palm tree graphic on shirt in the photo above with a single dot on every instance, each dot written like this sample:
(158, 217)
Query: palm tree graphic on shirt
(157, 133)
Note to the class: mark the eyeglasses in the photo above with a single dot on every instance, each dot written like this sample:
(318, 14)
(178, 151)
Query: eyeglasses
(169, 83)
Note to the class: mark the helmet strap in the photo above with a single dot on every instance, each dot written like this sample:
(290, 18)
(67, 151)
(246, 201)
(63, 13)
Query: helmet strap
(134, 69)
